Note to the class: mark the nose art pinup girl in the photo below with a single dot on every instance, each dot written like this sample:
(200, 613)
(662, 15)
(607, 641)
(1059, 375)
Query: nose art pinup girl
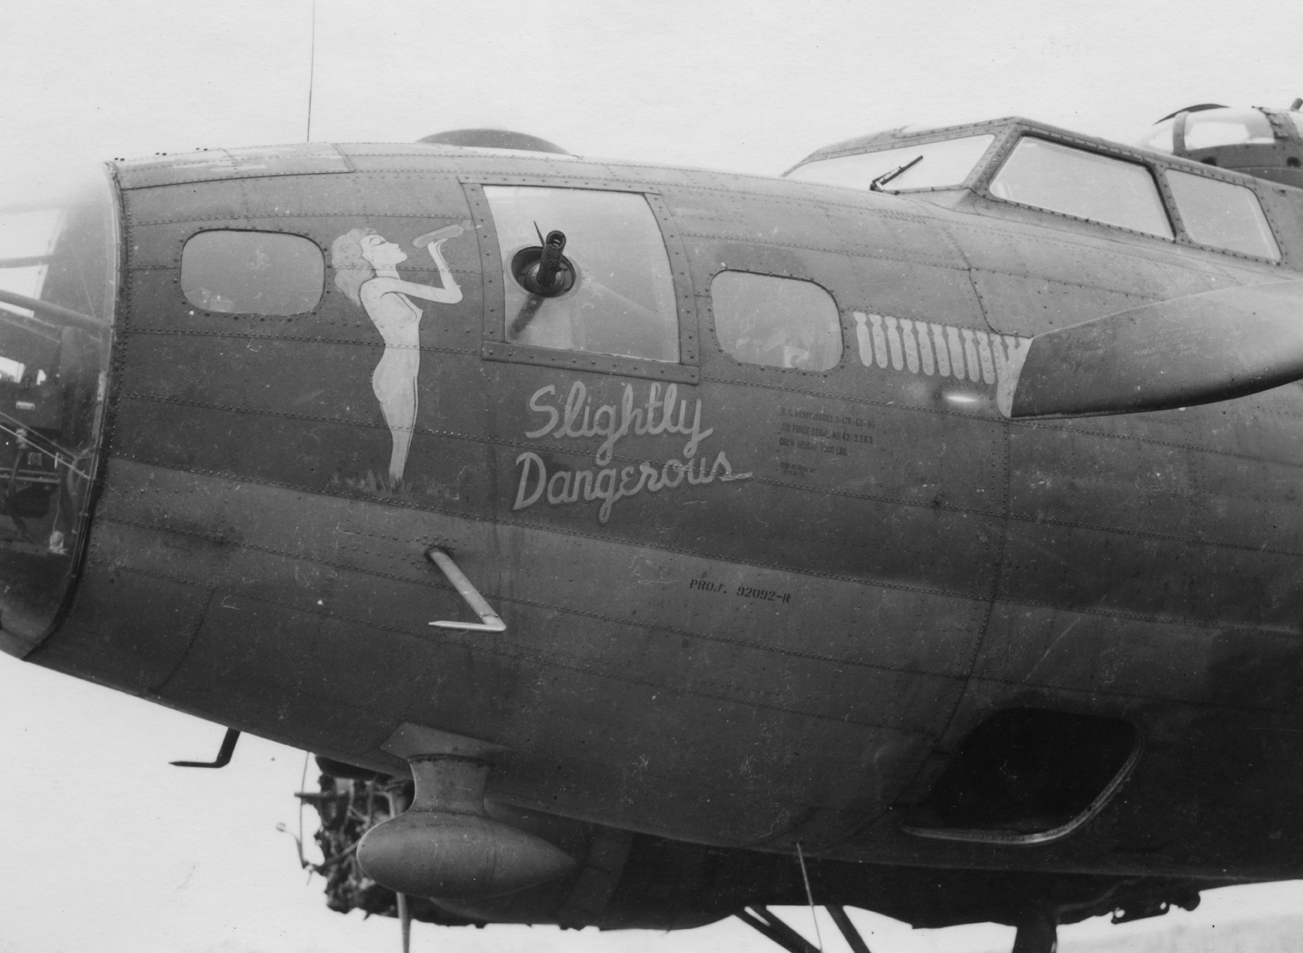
(366, 269)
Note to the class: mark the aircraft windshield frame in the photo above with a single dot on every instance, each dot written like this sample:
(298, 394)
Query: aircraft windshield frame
(929, 165)
(896, 165)
(1086, 184)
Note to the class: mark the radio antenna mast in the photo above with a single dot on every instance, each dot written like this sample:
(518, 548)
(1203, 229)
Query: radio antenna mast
(312, 69)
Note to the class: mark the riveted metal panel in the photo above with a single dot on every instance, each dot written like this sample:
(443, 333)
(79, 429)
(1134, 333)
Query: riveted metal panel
(441, 160)
(1118, 659)
(216, 392)
(565, 180)
(1130, 480)
(891, 138)
(209, 165)
(1030, 282)
(137, 650)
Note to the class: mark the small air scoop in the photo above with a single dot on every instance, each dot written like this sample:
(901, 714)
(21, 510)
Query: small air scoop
(493, 139)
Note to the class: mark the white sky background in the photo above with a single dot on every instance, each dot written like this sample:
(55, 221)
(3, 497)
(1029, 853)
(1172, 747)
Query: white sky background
(105, 847)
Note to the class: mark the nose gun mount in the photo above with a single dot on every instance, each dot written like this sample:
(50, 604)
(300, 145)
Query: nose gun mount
(542, 269)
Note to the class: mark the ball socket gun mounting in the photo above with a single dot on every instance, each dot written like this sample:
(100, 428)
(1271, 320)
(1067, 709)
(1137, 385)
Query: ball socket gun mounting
(543, 270)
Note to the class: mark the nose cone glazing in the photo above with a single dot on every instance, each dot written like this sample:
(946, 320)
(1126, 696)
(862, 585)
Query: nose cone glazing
(58, 283)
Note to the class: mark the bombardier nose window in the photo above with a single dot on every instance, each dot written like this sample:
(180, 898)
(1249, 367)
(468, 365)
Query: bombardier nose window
(58, 268)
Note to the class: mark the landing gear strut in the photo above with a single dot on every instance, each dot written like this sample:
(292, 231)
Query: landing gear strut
(844, 924)
(1038, 934)
(768, 923)
(775, 929)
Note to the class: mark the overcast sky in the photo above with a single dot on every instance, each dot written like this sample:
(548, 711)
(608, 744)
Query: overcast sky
(107, 848)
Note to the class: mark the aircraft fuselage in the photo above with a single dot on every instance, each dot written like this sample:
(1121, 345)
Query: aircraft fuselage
(746, 604)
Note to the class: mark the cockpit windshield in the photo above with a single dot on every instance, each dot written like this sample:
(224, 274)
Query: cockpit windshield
(58, 282)
(931, 165)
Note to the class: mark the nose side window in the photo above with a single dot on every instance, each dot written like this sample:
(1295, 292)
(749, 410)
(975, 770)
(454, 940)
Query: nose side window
(58, 285)
(246, 272)
(776, 322)
(613, 291)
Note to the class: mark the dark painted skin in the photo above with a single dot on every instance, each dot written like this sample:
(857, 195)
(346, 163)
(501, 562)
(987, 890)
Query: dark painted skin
(793, 656)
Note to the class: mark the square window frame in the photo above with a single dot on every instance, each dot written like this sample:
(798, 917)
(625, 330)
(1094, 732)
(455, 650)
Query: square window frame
(495, 346)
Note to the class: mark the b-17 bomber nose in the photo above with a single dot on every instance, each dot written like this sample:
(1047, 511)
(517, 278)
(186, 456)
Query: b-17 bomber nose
(58, 283)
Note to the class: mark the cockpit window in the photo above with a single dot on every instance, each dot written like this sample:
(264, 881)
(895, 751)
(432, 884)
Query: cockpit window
(776, 322)
(243, 272)
(58, 283)
(933, 165)
(620, 300)
(1222, 214)
(1082, 184)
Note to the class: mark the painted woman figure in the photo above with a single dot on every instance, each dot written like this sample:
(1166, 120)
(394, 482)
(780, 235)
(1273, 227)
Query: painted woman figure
(366, 269)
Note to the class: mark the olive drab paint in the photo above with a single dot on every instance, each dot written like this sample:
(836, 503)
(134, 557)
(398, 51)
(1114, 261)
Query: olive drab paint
(747, 605)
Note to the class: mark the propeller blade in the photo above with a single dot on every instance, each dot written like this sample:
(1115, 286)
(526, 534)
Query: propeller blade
(1196, 349)
(396, 807)
(405, 917)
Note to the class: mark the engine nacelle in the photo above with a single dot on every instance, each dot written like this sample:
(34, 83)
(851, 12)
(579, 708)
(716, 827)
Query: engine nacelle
(446, 846)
